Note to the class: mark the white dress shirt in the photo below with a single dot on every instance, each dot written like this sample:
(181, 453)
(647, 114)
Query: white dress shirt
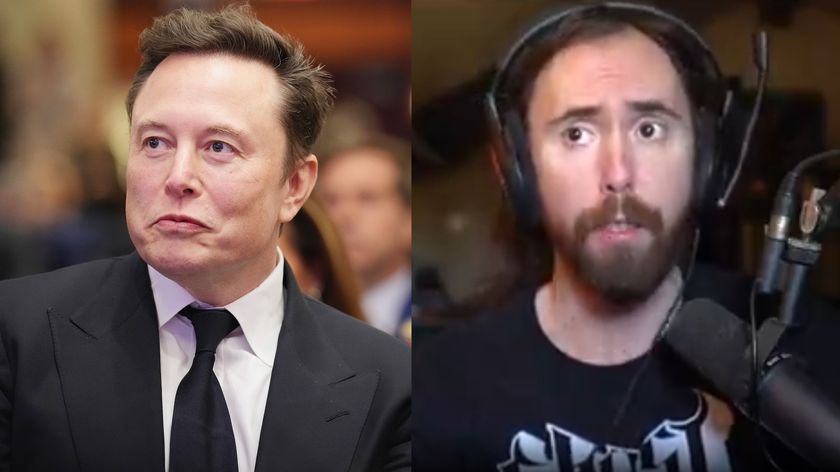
(384, 303)
(244, 359)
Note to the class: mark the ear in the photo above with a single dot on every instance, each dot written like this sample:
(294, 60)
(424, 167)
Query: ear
(299, 184)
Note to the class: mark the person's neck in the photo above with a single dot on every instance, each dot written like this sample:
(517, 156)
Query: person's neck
(585, 327)
(221, 287)
(372, 278)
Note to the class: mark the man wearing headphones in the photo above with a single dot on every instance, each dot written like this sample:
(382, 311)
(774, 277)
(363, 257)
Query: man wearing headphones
(606, 118)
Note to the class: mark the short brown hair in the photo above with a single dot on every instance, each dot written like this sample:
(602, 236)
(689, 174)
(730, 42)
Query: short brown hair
(235, 30)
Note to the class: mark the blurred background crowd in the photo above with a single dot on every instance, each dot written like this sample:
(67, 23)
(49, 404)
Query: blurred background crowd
(65, 68)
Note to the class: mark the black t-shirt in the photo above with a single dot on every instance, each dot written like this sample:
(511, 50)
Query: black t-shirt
(496, 395)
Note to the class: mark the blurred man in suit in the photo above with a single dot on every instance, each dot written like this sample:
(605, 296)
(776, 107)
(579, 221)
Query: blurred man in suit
(199, 352)
(366, 189)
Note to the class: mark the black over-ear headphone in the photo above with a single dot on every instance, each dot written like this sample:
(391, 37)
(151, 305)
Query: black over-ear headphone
(709, 95)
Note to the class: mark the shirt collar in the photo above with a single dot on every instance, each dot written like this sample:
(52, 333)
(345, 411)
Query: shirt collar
(259, 312)
(384, 303)
(398, 282)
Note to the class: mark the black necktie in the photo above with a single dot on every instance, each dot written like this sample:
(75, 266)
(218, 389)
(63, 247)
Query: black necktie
(202, 435)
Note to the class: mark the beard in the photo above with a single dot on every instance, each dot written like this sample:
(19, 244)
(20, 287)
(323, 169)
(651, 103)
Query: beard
(624, 274)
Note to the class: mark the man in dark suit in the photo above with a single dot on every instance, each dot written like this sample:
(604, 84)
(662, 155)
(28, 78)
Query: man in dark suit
(199, 351)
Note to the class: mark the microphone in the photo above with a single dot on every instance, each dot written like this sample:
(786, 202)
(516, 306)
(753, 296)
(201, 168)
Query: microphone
(829, 206)
(761, 59)
(776, 231)
(716, 344)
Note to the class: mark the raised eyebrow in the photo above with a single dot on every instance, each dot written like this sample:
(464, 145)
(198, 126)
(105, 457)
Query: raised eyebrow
(655, 107)
(150, 124)
(574, 113)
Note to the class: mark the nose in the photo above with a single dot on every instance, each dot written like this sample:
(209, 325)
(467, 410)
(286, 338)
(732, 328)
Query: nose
(344, 213)
(616, 166)
(182, 179)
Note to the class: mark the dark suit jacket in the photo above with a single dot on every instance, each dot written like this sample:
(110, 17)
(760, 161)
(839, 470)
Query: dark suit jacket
(80, 380)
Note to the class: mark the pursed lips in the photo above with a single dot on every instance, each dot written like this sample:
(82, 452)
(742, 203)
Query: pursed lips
(172, 222)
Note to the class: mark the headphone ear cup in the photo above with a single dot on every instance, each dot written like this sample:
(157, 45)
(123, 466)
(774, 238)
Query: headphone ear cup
(501, 151)
(521, 176)
(706, 148)
(512, 162)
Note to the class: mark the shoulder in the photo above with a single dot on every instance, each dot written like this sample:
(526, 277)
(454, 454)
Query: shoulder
(464, 353)
(25, 303)
(489, 326)
(458, 369)
(360, 344)
(68, 285)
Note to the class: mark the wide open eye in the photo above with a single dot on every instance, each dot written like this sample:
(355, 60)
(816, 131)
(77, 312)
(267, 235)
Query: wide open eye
(650, 131)
(577, 136)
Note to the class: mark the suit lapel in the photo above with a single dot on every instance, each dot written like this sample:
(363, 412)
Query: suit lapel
(108, 358)
(316, 404)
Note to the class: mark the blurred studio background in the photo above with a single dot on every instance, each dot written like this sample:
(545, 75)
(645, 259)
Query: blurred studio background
(65, 67)
(459, 219)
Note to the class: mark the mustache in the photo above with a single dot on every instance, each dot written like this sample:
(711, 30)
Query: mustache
(624, 208)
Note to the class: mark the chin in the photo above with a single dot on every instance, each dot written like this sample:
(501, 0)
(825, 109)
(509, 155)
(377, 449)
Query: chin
(625, 276)
(172, 262)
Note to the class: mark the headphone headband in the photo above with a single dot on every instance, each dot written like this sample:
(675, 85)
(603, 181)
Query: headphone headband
(700, 50)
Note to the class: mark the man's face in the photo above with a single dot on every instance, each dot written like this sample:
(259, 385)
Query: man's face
(611, 137)
(360, 192)
(205, 185)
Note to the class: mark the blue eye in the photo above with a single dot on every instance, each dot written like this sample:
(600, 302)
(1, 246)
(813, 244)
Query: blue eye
(153, 143)
(219, 146)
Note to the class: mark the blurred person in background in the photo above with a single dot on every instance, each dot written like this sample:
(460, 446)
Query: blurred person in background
(315, 252)
(366, 190)
(97, 228)
(37, 195)
(199, 351)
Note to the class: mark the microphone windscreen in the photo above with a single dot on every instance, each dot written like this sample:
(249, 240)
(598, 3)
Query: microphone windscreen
(714, 342)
